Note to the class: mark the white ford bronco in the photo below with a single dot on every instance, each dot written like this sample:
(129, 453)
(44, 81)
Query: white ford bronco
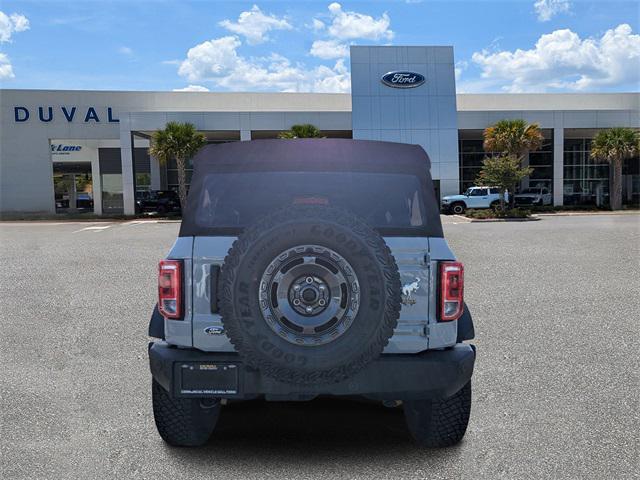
(473, 197)
(311, 267)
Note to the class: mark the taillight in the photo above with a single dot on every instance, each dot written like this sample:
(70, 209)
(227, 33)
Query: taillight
(170, 288)
(451, 290)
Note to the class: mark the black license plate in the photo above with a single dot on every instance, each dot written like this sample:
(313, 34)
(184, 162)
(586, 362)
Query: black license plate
(202, 378)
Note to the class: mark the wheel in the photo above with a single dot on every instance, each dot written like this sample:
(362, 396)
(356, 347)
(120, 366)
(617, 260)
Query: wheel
(496, 207)
(439, 423)
(183, 422)
(161, 210)
(458, 208)
(309, 295)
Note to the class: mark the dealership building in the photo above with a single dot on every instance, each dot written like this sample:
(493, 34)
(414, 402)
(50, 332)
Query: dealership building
(65, 151)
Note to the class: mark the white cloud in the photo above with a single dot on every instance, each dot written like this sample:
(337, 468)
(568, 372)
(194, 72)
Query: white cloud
(254, 25)
(10, 24)
(6, 70)
(210, 59)
(327, 49)
(192, 88)
(351, 25)
(562, 60)
(547, 9)
(331, 80)
(218, 61)
(125, 51)
(346, 25)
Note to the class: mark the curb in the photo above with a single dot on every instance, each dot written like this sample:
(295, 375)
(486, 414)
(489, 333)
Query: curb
(495, 220)
(577, 214)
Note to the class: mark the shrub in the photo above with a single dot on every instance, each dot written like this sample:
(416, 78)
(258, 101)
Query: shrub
(490, 213)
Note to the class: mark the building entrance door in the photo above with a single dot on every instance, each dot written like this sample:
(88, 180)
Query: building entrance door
(73, 187)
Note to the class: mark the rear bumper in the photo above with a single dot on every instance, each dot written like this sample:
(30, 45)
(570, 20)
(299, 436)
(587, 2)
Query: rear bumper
(193, 373)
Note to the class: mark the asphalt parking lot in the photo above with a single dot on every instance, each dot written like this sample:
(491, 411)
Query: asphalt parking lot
(556, 388)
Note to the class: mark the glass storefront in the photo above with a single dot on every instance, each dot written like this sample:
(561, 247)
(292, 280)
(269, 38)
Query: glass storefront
(73, 187)
(172, 174)
(142, 169)
(111, 180)
(586, 181)
(542, 163)
(472, 154)
(112, 201)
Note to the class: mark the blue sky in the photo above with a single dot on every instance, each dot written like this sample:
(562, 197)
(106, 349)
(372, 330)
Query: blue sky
(509, 46)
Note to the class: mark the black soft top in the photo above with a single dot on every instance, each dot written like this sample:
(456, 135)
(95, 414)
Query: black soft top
(309, 155)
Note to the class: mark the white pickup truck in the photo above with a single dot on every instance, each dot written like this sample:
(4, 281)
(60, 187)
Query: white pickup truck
(534, 196)
(473, 197)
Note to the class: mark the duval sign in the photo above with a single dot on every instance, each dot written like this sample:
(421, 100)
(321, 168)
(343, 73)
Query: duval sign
(47, 114)
(402, 79)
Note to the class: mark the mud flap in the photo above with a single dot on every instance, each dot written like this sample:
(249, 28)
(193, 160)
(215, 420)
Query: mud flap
(465, 326)
(156, 324)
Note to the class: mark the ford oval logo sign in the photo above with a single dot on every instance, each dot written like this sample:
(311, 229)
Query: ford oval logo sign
(403, 79)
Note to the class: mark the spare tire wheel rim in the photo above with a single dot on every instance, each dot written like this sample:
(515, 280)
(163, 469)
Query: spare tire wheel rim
(309, 295)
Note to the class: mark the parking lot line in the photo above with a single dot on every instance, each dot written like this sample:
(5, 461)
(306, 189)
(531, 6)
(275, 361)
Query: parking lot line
(94, 228)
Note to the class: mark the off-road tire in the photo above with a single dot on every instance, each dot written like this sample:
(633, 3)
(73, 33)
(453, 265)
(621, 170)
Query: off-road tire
(439, 423)
(458, 208)
(183, 422)
(495, 206)
(370, 328)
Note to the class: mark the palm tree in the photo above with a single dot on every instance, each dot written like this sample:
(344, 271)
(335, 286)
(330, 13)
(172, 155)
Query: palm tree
(179, 141)
(513, 138)
(305, 130)
(614, 146)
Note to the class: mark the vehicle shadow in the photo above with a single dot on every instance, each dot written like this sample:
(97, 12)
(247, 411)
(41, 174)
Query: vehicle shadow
(320, 432)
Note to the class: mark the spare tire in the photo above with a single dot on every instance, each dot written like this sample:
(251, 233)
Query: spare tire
(309, 295)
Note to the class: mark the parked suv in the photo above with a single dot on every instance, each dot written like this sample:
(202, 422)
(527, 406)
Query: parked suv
(311, 267)
(162, 202)
(473, 197)
(533, 196)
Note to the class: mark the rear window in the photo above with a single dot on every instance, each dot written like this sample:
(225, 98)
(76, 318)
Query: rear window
(384, 200)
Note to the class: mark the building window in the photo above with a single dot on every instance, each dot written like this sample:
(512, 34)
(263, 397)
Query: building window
(586, 181)
(472, 154)
(542, 163)
(142, 168)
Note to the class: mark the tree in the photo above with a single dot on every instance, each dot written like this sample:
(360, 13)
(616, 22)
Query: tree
(305, 130)
(179, 141)
(513, 138)
(614, 146)
(504, 172)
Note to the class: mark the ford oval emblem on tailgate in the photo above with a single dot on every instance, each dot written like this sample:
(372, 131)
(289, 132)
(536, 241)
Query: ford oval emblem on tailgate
(403, 79)
(214, 331)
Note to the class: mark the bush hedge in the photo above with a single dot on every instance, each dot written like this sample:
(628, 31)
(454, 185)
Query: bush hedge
(490, 213)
